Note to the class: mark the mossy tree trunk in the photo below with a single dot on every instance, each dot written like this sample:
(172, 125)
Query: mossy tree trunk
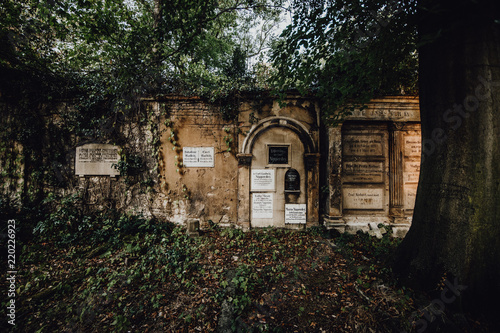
(456, 224)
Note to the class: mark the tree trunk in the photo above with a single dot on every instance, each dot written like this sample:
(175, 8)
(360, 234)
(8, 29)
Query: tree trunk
(456, 225)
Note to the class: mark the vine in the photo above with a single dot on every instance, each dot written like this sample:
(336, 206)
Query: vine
(129, 166)
(228, 138)
(173, 139)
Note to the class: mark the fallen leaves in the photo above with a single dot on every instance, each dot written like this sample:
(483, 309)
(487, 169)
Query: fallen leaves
(288, 280)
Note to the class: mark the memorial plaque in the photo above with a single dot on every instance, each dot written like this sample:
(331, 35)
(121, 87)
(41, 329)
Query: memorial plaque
(278, 155)
(96, 160)
(362, 145)
(198, 157)
(295, 213)
(410, 196)
(364, 172)
(411, 172)
(292, 181)
(412, 145)
(363, 198)
(263, 180)
(262, 205)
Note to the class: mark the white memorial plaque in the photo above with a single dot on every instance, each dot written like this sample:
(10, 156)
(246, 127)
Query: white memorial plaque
(263, 180)
(198, 157)
(295, 213)
(363, 198)
(262, 205)
(96, 159)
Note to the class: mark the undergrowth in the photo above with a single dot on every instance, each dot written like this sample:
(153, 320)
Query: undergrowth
(112, 272)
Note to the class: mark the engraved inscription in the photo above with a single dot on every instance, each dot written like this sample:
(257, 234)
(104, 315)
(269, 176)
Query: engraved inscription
(384, 114)
(262, 205)
(362, 145)
(98, 154)
(410, 196)
(411, 172)
(295, 213)
(412, 145)
(363, 172)
(278, 155)
(292, 180)
(263, 180)
(198, 157)
(96, 160)
(363, 198)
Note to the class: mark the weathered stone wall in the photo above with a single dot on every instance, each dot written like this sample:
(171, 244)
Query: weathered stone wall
(205, 189)
(373, 166)
(179, 159)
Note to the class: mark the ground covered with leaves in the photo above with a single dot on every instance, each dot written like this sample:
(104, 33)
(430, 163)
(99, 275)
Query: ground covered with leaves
(139, 275)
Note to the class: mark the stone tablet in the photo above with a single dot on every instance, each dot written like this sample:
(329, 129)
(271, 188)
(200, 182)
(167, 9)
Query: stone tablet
(363, 172)
(381, 114)
(263, 180)
(292, 181)
(295, 213)
(412, 145)
(410, 196)
(96, 159)
(411, 172)
(198, 157)
(278, 155)
(262, 205)
(363, 198)
(363, 145)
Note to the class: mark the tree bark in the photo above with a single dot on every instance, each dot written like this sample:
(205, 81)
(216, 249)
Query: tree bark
(455, 232)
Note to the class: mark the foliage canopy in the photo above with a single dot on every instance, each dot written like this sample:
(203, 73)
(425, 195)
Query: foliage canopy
(348, 51)
(130, 48)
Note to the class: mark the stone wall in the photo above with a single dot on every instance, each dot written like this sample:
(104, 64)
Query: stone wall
(198, 166)
(374, 165)
(179, 159)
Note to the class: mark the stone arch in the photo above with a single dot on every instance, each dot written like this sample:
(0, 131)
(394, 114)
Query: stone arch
(285, 122)
(309, 193)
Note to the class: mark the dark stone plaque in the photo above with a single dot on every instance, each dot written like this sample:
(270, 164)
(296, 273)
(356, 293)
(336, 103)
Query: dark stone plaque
(278, 155)
(292, 181)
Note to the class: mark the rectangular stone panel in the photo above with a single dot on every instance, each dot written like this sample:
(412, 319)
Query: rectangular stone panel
(362, 145)
(96, 159)
(262, 205)
(295, 213)
(262, 180)
(363, 198)
(363, 172)
(384, 114)
(410, 196)
(412, 145)
(278, 155)
(411, 172)
(198, 157)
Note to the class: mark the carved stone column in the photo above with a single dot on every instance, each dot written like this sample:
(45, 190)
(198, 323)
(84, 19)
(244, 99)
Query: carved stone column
(312, 169)
(333, 218)
(244, 162)
(396, 189)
